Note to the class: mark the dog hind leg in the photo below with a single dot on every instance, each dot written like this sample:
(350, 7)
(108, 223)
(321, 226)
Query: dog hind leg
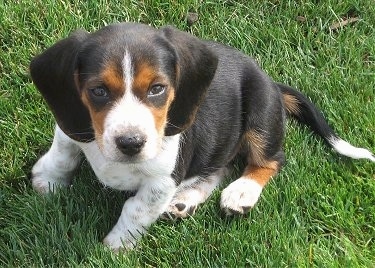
(242, 194)
(261, 147)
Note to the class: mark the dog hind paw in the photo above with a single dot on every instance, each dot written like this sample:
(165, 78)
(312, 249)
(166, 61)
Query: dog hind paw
(240, 196)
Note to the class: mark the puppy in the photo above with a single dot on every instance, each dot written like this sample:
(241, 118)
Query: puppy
(163, 113)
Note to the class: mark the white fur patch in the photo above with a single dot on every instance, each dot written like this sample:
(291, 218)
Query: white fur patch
(130, 176)
(239, 196)
(191, 193)
(55, 168)
(139, 212)
(127, 71)
(345, 148)
(151, 178)
(129, 114)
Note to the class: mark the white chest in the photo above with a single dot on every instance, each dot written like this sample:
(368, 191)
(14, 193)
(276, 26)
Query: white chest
(130, 176)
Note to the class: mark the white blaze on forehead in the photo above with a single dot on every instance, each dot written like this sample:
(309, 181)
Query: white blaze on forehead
(127, 71)
(128, 76)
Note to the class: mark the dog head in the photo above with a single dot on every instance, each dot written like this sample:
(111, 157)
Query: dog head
(127, 85)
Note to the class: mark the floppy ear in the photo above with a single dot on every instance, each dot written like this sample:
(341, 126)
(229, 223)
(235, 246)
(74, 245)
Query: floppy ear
(53, 74)
(195, 71)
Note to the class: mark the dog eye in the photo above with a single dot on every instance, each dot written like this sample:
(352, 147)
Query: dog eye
(99, 92)
(156, 90)
(99, 96)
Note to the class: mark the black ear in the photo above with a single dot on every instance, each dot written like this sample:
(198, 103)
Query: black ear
(53, 74)
(196, 69)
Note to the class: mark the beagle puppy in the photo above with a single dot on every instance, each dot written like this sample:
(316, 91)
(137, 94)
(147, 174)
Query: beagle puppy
(165, 114)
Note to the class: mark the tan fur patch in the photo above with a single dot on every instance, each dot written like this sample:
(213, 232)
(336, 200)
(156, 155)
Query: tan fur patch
(291, 104)
(143, 79)
(97, 118)
(261, 174)
(161, 113)
(256, 144)
(113, 80)
(259, 168)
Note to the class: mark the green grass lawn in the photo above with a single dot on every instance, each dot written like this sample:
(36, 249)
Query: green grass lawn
(319, 211)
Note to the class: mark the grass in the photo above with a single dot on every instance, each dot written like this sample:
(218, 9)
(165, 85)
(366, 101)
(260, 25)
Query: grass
(318, 212)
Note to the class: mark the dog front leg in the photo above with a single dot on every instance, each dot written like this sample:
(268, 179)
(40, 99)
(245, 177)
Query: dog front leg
(55, 168)
(140, 211)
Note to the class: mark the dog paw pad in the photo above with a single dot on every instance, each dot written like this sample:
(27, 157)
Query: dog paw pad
(180, 206)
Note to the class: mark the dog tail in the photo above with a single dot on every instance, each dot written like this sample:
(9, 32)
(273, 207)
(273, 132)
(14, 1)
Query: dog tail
(301, 108)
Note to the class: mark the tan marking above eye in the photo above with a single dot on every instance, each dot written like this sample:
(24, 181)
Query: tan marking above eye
(113, 80)
(161, 113)
(146, 76)
(97, 118)
(143, 78)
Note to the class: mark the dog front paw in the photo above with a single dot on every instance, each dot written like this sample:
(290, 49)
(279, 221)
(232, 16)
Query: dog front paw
(179, 210)
(43, 184)
(45, 181)
(240, 196)
(183, 204)
(119, 241)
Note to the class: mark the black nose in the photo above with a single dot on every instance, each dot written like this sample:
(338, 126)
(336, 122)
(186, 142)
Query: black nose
(130, 144)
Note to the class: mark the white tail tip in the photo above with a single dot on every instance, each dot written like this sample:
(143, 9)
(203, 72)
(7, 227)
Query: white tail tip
(345, 148)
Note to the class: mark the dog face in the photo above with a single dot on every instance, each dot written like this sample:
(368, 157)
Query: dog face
(127, 86)
(135, 84)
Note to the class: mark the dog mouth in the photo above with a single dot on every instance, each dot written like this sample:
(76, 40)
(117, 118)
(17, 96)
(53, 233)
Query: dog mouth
(112, 152)
(125, 159)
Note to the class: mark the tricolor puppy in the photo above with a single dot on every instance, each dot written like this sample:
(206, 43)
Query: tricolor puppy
(163, 113)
